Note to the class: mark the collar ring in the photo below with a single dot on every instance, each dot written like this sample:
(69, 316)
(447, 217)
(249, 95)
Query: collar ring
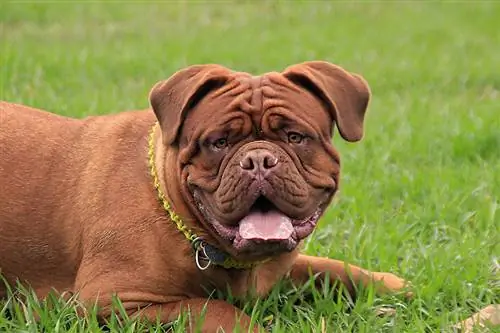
(201, 255)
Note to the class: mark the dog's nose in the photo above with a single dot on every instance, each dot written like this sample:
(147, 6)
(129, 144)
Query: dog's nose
(258, 160)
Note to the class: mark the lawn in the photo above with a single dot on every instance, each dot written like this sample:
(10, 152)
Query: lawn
(420, 194)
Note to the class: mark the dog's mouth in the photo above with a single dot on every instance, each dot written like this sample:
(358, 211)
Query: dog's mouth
(264, 230)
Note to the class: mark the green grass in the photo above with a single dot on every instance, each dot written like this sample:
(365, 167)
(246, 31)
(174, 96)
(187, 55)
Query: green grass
(420, 195)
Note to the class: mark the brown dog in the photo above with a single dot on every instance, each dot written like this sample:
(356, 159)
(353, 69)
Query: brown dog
(219, 194)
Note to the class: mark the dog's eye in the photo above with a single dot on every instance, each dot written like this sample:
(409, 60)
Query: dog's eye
(294, 137)
(220, 143)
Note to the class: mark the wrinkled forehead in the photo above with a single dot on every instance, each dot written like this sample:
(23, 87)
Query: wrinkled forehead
(252, 97)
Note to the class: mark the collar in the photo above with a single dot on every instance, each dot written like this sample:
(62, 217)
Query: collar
(205, 254)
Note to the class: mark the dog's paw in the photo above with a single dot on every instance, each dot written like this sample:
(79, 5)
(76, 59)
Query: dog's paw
(486, 317)
(389, 283)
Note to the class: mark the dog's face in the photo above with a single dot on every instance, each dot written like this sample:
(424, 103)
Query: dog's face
(255, 156)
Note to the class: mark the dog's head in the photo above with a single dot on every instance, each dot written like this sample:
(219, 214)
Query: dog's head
(255, 158)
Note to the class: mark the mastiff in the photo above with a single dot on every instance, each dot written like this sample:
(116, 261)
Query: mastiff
(214, 187)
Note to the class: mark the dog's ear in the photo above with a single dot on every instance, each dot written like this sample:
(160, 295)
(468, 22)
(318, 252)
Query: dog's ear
(346, 95)
(173, 98)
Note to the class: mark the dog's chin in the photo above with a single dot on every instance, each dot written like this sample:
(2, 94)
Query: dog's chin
(263, 232)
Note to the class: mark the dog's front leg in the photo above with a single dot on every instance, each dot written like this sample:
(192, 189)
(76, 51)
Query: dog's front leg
(349, 275)
(207, 316)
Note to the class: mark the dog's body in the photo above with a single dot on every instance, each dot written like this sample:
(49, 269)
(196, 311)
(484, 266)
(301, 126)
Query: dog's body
(78, 210)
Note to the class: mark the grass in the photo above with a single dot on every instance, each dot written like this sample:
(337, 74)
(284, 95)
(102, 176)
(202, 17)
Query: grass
(420, 195)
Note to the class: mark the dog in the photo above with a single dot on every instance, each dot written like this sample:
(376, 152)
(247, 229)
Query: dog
(215, 186)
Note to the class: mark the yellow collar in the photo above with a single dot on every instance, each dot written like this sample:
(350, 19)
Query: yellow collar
(205, 254)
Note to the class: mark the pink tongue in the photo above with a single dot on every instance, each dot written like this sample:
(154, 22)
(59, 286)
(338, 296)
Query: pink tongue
(266, 226)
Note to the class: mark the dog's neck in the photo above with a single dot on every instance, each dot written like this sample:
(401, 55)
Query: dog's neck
(163, 159)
